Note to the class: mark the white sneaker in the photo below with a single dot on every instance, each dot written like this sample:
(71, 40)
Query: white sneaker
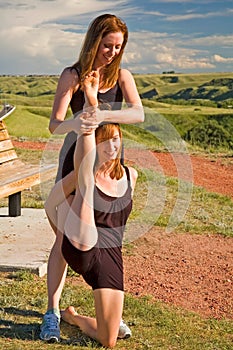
(124, 331)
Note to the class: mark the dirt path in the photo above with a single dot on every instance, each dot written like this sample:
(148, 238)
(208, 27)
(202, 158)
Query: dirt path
(214, 175)
(191, 271)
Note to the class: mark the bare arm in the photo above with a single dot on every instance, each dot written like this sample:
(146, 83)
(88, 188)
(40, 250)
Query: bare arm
(68, 83)
(133, 178)
(134, 113)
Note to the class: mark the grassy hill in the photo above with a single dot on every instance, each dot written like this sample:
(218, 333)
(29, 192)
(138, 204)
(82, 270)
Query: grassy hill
(196, 106)
(199, 106)
(172, 84)
(215, 90)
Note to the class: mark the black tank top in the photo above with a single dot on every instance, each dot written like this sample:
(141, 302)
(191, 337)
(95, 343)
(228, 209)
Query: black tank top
(111, 214)
(113, 97)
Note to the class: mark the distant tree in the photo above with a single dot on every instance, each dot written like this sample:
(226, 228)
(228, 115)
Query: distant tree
(209, 134)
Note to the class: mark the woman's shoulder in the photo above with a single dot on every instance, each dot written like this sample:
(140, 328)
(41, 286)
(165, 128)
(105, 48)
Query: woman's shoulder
(70, 77)
(133, 172)
(133, 176)
(124, 74)
(70, 70)
(125, 79)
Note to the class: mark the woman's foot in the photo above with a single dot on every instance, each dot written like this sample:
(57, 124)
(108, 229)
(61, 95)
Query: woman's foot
(90, 88)
(68, 315)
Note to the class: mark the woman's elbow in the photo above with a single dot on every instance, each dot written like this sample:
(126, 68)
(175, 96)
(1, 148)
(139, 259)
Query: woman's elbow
(49, 208)
(46, 208)
(140, 114)
(142, 118)
(51, 128)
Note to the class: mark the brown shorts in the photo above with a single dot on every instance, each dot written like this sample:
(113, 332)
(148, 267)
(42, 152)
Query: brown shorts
(100, 267)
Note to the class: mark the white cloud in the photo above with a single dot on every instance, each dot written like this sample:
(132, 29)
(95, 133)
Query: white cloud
(220, 59)
(37, 36)
(214, 40)
(163, 52)
(190, 1)
(193, 15)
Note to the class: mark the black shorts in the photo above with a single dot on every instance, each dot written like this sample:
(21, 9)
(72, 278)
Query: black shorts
(100, 267)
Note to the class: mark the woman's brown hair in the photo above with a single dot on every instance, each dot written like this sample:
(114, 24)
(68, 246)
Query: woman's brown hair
(105, 132)
(98, 29)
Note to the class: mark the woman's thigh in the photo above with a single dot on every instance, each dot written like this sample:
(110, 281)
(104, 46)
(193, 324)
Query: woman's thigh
(108, 306)
(62, 212)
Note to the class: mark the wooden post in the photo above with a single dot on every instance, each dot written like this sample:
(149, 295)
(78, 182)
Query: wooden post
(14, 204)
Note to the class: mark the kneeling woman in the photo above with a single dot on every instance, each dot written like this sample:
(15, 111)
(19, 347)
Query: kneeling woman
(94, 220)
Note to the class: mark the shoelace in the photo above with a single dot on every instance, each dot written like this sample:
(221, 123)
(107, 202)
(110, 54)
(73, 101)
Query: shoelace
(52, 321)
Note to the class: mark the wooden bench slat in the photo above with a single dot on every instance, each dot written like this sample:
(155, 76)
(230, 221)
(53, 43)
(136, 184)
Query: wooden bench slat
(4, 135)
(7, 156)
(17, 169)
(14, 170)
(7, 150)
(5, 145)
(25, 177)
(3, 126)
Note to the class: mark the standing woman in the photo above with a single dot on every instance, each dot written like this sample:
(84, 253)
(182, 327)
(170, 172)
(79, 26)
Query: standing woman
(102, 51)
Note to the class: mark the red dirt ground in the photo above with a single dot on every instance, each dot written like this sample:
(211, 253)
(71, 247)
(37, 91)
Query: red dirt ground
(194, 272)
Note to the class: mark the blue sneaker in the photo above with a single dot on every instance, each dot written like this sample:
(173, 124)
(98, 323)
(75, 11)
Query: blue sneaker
(49, 329)
(124, 331)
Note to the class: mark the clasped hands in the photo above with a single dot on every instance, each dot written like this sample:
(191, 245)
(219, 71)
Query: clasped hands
(88, 121)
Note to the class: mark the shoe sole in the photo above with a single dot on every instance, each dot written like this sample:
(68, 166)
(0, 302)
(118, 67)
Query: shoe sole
(51, 340)
(126, 336)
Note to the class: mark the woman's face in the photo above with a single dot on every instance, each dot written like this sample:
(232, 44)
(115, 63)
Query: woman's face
(108, 149)
(110, 47)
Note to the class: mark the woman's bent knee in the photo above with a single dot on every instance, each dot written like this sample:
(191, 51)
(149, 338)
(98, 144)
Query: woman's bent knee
(108, 342)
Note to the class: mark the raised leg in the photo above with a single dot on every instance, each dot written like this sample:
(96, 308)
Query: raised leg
(80, 225)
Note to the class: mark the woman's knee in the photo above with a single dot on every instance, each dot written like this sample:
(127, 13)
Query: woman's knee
(108, 341)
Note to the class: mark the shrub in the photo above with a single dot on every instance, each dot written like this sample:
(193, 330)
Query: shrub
(209, 134)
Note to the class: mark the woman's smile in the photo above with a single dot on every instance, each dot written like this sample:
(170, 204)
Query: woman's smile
(109, 48)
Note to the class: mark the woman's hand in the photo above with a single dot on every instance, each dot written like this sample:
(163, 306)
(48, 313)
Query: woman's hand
(85, 123)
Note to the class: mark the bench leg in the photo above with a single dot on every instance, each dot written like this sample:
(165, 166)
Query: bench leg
(14, 204)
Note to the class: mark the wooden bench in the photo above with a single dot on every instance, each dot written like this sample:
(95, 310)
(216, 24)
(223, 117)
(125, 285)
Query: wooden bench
(15, 175)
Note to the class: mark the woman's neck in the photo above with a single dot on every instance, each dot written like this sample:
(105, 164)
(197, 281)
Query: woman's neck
(111, 187)
(103, 169)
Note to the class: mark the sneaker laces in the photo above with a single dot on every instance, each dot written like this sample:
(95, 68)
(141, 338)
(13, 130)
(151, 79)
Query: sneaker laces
(51, 321)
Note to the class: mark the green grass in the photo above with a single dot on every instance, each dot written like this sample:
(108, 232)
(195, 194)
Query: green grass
(154, 324)
(24, 125)
(198, 211)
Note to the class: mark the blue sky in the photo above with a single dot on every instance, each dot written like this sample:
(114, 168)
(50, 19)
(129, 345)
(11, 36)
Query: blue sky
(187, 36)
